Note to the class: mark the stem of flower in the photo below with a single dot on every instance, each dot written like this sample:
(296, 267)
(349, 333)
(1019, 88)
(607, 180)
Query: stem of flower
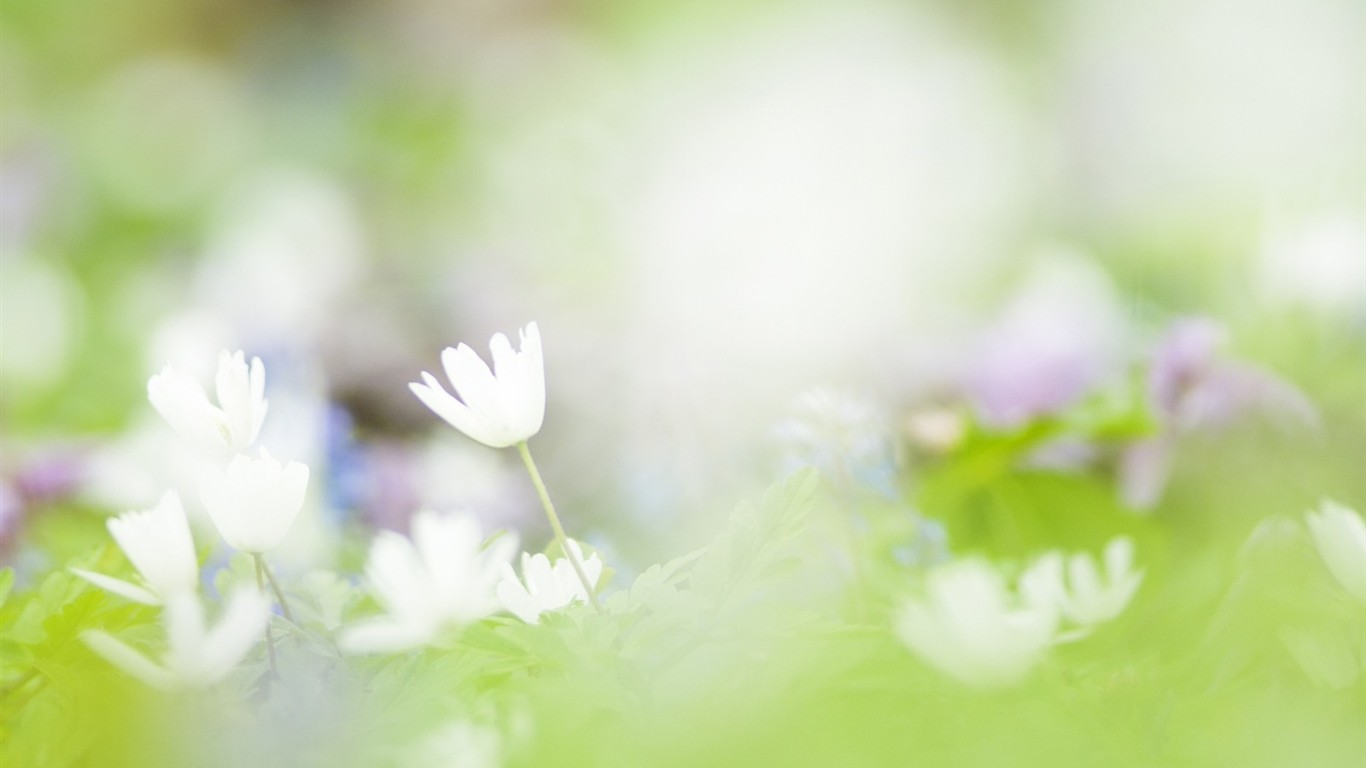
(555, 523)
(275, 587)
(270, 636)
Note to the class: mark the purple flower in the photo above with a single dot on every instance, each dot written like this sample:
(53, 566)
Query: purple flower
(1059, 336)
(1192, 386)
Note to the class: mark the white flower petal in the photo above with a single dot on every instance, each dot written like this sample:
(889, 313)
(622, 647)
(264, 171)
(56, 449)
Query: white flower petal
(158, 544)
(498, 407)
(241, 400)
(233, 424)
(119, 587)
(181, 401)
(545, 586)
(969, 626)
(254, 501)
(238, 630)
(440, 578)
(1340, 536)
(125, 658)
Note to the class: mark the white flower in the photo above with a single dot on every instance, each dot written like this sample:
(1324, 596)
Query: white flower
(1079, 592)
(460, 744)
(195, 655)
(498, 408)
(546, 587)
(439, 579)
(970, 626)
(158, 544)
(254, 501)
(234, 423)
(1340, 536)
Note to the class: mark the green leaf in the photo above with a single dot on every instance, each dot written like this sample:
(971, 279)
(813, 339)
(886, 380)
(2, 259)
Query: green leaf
(240, 573)
(6, 584)
(756, 539)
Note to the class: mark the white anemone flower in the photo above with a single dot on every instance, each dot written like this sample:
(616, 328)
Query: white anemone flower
(499, 408)
(196, 655)
(1076, 587)
(254, 500)
(234, 423)
(442, 578)
(459, 743)
(544, 587)
(1340, 536)
(972, 627)
(157, 542)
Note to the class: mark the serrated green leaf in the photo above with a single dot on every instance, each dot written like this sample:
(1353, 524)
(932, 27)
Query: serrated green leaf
(240, 573)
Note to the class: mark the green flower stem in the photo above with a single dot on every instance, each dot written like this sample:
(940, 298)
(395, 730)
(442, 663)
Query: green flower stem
(555, 523)
(275, 587)
(270, 635)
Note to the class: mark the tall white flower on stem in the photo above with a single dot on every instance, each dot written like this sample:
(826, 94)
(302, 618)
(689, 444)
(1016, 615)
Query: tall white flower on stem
(969, 625)
(234, 423)
(157, 542)
(499, 407)
(254, 500)
(1340, 535)
(441, 578)
(196, 655)
(545, 587)
(1076, 586)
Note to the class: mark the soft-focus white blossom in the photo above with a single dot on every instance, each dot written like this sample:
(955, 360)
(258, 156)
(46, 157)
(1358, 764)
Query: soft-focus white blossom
(1082, 594)
(544, 587)
(1340, 536)
(253, 501)
(459, 744)
(196, 655)
(970, 625)
(498, 408)
(441, 578)
(157, 542)
(233, 423)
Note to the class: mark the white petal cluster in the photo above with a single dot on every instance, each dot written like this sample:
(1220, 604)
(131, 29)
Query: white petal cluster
(234, 423)
(1077, 587)
(1340, 536)
(499, 407)
(441, 578)
(254, 500)
(196, 655)
(157, 542)
(458, 743)
(544, 587)
(971, 626)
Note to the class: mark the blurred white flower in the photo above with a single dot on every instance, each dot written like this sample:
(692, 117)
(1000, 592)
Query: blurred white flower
(461, 744)
(157, 542)
(439, 579)
(1317, 263)
(234, 423)
(971, 626)
(498, 408)
(195, 655)
(1340, 536)
(254, 501)
(1078, 591)
(544, 587)
(1327, 658)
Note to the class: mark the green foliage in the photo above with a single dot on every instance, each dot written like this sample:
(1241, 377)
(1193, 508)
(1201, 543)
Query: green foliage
(773, 644)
